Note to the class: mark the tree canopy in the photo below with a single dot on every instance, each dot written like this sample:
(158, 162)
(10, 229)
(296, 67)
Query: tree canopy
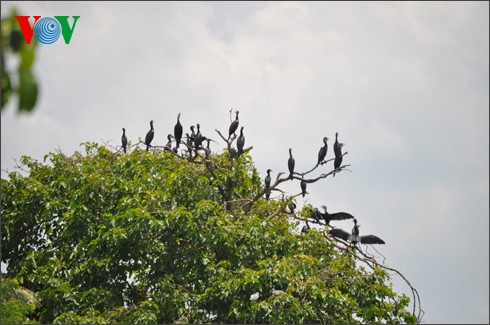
(158, 237)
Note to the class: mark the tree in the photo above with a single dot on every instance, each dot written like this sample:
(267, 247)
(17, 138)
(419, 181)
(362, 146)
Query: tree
(167, 237)
(21, 82)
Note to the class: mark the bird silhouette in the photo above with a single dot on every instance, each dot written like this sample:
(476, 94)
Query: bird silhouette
(124, 140)
(291, 164)
(322, 153)
(354, 237)
(267, 182)
(233, 126)
(327, 217)
(240, 142)
(303, 187)
(178, 130)
(149, 136)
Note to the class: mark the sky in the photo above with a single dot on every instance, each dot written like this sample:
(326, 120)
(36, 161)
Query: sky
(405, 84)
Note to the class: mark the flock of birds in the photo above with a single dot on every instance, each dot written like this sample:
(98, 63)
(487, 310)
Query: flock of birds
(194, 143)
(195, 140)
(352, 237)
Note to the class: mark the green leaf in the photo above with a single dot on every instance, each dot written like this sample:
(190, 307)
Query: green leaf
(27, 91)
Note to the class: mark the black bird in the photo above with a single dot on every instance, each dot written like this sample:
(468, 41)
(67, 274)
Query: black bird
(124, 140)
(189, 140)
(198, 139)
(338, 159)
(334, 216)
(267, 181)
(149, 136)
(291, 164)
(178, 130)
(193, 135)
(354, 237)
(291, 207)
(303, 187)
(323, 152)
(168, 146)
(207, 150)
(240, 142)
(336, 148)
(233, 126)
(316, 215)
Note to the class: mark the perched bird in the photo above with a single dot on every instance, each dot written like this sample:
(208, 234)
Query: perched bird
(291, 207)
(189, 140)
(149, 136)
(303, 187)
(336, 149)
(338, 159)
(255, 296)
(193, 135)
(354, 237)
(277, 292)
(267, 181)
(240, 142)
(168, 146)
(178, 131)
(233, 126)
(198, 139)
(334, 216)
(316, 215)
(323, 152)
(291, 164)
(207, 150)
(124, 140)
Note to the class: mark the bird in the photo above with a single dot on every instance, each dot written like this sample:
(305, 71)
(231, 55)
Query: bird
(198, 138)
(168, 146)
(233, 126)
(193, 134)
(336, 149)
(267, 181)
(334, 216)
(354, 237)
(291, 164)
(277, 292)
(189, 140)
(149, 136)
(315, 214)
(178, 131)
(207, 150)
(291, 207)
(338, 159)
(240, 142)
(303, 187)
(323, 152)
(124, 140)
(255, 296)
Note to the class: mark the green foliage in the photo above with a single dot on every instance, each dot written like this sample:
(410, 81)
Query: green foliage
(23, 82)
(149, 237)
(16, 303)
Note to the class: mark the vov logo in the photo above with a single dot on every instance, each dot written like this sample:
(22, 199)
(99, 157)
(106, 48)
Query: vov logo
(47, 29)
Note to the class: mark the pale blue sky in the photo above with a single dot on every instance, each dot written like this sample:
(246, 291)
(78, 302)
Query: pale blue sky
(405, 84)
